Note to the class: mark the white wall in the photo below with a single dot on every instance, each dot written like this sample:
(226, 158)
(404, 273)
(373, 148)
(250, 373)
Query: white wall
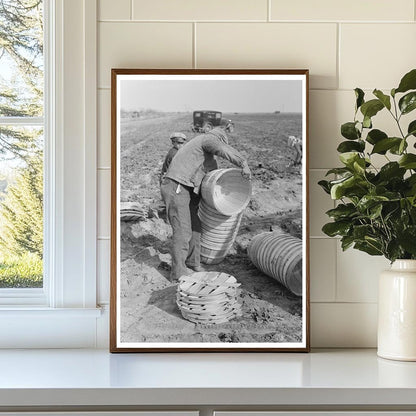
(345, 44)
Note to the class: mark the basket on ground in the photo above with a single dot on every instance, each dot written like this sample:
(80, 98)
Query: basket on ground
(226, 190)
(218, 233)
(279, 255)
(208, 297)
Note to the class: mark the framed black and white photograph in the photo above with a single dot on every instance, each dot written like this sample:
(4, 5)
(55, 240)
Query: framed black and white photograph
(209, 210)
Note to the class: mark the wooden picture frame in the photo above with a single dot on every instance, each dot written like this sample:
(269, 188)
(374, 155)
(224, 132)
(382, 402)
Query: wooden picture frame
(253, 291)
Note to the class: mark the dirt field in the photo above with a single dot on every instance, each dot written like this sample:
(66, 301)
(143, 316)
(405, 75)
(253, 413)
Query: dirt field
(148, 309)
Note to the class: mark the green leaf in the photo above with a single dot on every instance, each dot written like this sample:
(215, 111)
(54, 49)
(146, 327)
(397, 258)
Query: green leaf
(342, 211)
(385, 99)
(368, 248)
(338, 171)
(348, 158)
(369, 201)
(393, 250)
(408, 82)
(391, 170)
(408, 102)
(367, 122)
(346, 242)
(375, 212)
(400, 148)
(408, 161)
(371, 108)
(411, 184)
(349, 131)
(375, 136)
(336, 228)
(383, 145)
(407, 240)
(361, 231)
(338, 188)
(359, 94)
(349, 146)
(325, 186)
(411, 130)
(347, 187)
(359, 165)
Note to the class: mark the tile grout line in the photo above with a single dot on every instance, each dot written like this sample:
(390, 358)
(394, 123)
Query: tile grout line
(269, 11)
(307, 22)
(131, 9)
(105, 88)
(338, 63)
(344, 303)
(194, 62)
(336, 271)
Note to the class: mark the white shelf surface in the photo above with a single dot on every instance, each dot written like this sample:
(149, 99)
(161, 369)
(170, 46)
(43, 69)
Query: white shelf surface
(97, 378)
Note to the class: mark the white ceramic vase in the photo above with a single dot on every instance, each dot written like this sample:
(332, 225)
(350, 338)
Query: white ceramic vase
(397, 312)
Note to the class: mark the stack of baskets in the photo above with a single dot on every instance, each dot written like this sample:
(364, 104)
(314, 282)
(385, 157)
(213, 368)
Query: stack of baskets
(225, 194)
(132, 211)
(279, 255)
(208, 297)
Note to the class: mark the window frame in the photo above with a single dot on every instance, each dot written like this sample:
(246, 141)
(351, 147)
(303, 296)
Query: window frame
(65, 313)
(38, 296)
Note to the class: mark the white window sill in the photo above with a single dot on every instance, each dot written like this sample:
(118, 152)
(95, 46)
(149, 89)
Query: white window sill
(40, 327)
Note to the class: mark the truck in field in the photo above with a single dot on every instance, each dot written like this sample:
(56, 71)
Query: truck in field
(206, 120)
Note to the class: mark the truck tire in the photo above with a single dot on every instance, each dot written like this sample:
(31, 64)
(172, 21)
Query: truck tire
(207, 127)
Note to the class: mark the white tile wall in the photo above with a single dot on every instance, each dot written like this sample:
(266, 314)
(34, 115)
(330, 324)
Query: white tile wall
(103, 271)
(357, 275)
(104, 128)
(104, 202)
(341, 10)
(114, 10)
(345, 44)
(142, 45)
(323, 269)
(270, 45)
(387, 52)
(200, 10)
(339, 325)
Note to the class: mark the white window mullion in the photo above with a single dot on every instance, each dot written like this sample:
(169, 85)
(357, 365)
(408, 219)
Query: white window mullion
(22, 121)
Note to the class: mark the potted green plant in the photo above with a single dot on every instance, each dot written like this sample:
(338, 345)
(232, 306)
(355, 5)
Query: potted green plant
(376, 206)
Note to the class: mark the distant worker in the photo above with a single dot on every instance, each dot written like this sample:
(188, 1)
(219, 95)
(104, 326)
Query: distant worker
(178, 140)
(180, 192)
(296, 143)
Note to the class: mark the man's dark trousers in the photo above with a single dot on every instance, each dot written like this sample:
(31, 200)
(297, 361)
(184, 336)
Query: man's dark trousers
(182, 212)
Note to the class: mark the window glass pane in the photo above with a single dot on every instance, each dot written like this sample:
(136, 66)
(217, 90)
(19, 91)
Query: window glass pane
(21, 207)
(21, 58)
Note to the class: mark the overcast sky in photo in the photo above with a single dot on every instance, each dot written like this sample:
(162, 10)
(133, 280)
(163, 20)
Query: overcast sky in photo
(228, 96)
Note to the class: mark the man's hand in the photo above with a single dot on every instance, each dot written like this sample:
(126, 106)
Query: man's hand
(246, 172)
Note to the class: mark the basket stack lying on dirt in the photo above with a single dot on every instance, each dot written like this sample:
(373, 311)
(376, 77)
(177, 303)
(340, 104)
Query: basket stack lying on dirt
(225, 194)
(132, 211)
(278, 255)
(208, 297)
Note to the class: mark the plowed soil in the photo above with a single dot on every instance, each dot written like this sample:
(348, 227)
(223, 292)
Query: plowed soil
(271, 313)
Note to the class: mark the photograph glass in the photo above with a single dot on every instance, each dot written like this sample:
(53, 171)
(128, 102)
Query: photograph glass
(209, 224)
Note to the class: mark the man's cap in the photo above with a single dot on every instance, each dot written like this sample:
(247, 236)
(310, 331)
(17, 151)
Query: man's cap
(179, 137)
